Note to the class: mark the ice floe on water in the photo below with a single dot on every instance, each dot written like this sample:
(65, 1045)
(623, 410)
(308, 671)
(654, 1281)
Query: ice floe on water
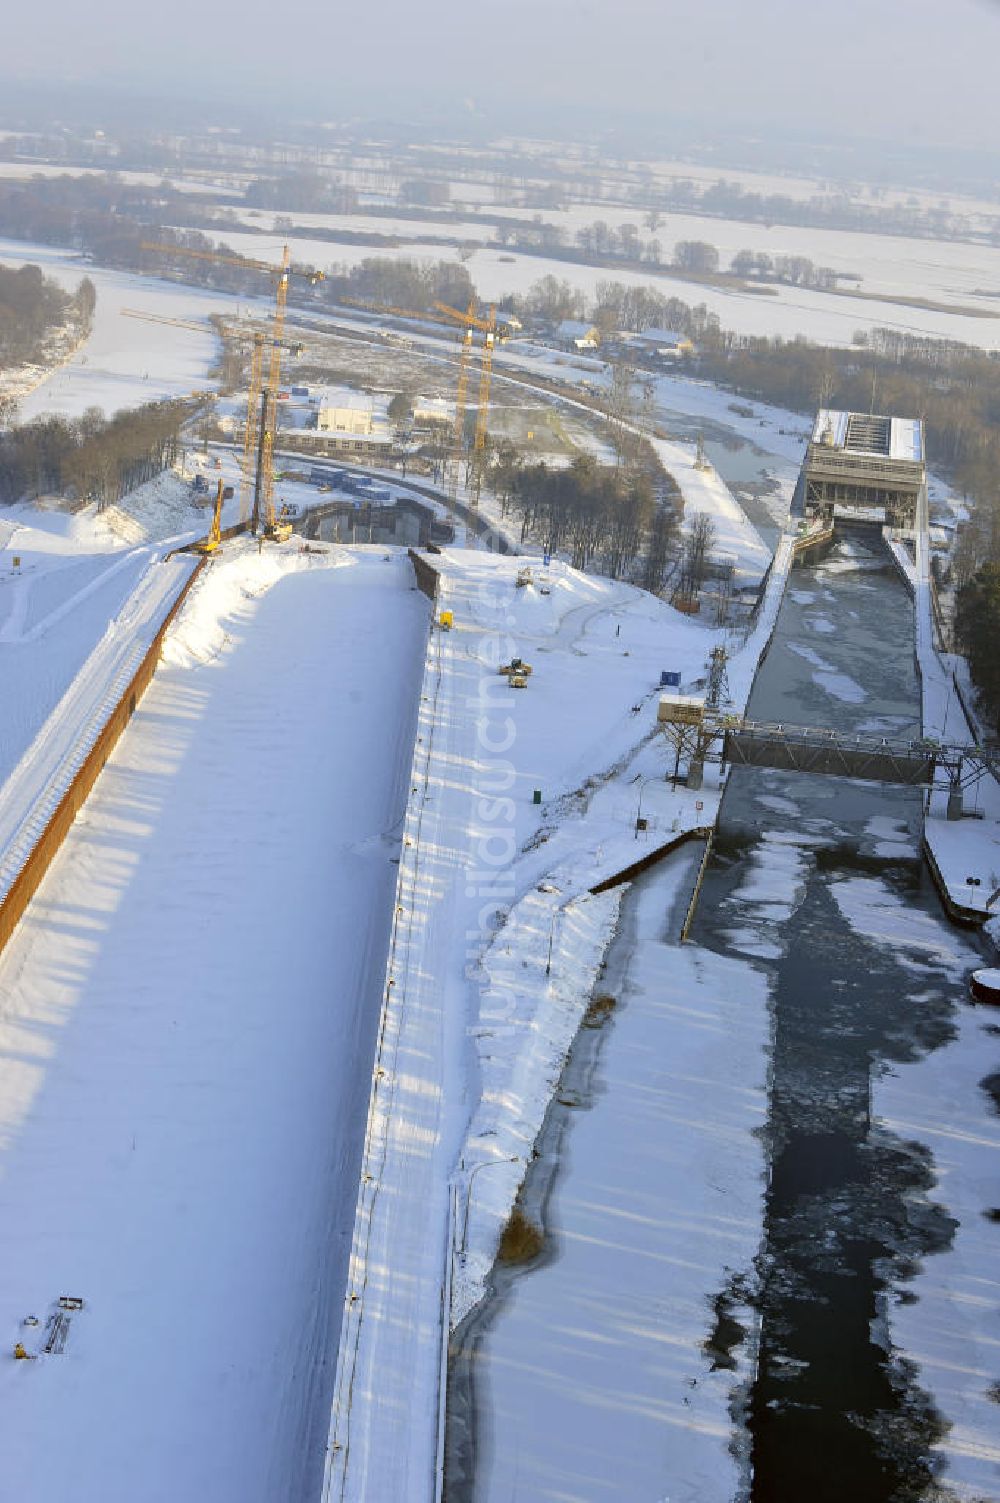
(919, 941)
(777, 804)
(821, 624)
(752, 942)
(838, 685)
(893, 838)
(841, 687)
(945, 1322)
(770, 892)
(809, 654)
(885, 725)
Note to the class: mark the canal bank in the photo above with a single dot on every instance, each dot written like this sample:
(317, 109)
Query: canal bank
(817, 900)
(587, 1367)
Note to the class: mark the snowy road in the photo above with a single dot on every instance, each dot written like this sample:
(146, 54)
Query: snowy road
(186, 1020)
(30, 795)
(72, 581)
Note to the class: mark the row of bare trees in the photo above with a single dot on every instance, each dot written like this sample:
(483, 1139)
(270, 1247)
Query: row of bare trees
(33, 307)
(90, 458)
(400, 282)
(598, 514)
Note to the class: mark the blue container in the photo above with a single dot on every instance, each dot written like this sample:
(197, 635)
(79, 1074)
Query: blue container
(670, 680)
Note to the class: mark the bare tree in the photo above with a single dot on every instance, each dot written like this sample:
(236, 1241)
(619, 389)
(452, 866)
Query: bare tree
(622, 410)
(694, 561)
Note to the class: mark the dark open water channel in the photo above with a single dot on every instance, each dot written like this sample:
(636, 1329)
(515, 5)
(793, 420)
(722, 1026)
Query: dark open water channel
(834, 1412)
(831, 1411)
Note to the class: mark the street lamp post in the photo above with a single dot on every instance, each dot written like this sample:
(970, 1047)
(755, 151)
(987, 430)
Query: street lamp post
(653, 778)
(552, 929)
(510, 1158)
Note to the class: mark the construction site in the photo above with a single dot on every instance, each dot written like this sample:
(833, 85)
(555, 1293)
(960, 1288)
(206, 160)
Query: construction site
(372, 792)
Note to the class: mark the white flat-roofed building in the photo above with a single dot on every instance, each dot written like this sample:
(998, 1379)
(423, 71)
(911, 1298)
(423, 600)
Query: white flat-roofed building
(353, 412)
(575, 334)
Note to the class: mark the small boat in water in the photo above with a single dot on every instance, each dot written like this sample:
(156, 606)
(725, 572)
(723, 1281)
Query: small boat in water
(985, 985)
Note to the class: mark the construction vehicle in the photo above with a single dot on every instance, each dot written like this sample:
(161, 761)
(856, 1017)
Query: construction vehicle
(211, 542)
(258, 445)
(516, 668)
(281, 527)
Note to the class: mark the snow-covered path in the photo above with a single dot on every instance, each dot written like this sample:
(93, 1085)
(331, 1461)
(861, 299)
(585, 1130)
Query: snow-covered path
(30, 795)
(186, 1021)
(72, 579)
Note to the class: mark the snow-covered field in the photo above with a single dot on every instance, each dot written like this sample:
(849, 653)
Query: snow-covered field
(825, 317)
(941, 271)
(186, 1030)
(126, 361)
(894, 265)
(31, 169)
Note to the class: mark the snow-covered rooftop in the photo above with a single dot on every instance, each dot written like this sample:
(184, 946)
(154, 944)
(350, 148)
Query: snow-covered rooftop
(575, 328)
(661, 336)
(345, 397)
(870, 433)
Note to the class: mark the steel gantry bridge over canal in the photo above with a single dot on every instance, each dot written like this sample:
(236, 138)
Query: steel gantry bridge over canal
(700, 733)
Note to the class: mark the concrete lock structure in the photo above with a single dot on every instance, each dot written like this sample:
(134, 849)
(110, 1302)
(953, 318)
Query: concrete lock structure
(865, 468)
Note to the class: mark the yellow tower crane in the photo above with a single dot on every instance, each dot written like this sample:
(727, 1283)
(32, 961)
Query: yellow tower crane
(488, 327)
(258, 438)
(257, 341)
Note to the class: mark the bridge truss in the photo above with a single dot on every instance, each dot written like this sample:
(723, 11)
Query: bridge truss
(740, 742)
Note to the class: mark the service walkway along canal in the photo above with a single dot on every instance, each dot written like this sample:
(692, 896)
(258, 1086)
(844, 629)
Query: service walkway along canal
(771, 1233)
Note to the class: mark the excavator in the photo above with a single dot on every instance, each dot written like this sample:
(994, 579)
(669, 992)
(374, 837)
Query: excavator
(214, 538)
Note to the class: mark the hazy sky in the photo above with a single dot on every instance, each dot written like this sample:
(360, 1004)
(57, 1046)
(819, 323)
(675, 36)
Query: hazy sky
(905, 69)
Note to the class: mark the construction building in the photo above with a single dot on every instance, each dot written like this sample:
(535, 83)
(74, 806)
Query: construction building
(865, 468)
(351, 413)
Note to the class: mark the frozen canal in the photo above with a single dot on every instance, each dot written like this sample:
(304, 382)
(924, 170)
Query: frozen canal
(727, 1314)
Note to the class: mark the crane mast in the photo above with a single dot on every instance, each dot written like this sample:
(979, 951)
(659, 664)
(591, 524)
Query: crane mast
(458, 427)
(270, 401)
(488, 327)
(483, 409)
(257, 461)
(251, 431)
